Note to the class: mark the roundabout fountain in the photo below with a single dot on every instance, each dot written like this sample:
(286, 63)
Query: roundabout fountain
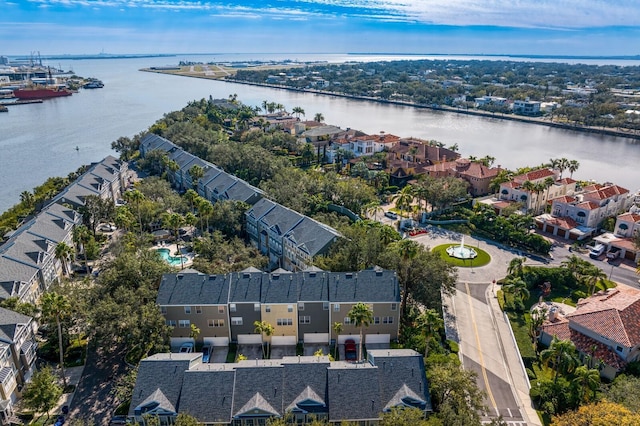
(461, 252)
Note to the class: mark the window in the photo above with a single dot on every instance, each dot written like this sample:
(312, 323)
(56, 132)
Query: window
(347, 321)
(198, 309)
(336, 307)
(236, 320)
(256, 307)
(325, 306)
(163, 310)
(301, 306)
(232, 307)
(394, 306)
(387, 320)
(619, 348)
(376, 320)
(221, 309)
(267, 308)
(216, 323)
(187, 309)
(284, 321)
(172, 323)
(184, 323)
(289, 308)
(305, 319)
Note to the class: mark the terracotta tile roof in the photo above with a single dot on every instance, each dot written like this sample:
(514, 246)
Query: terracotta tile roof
(564, 199)
(502, 204)
(613, 314)
(558, 328)
(594, 187)
(562, 222)
(600, 192)
(534, 175)
(630, 217)
(588, 205)
(566, 181)
(511, 184)
(597, 350)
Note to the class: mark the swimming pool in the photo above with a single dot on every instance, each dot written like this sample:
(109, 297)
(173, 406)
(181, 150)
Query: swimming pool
(165, 254)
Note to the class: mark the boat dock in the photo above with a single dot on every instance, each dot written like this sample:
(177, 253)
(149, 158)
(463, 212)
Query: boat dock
(23, 102)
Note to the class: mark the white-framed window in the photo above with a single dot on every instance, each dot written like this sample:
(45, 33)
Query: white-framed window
(187, 309)
(376, 320)
(305, 319)
(289, 308)
(325, 306)
(198, 309)
(301, 306)
(284, 321)
(394, 306)
(347, 320)
(216, 323)
(184, 323)
(336, 307)
(256, 307)
(232, 307)
(236, 320)
(267, 308)
(172, 323)
(387, 320)
(221, 309)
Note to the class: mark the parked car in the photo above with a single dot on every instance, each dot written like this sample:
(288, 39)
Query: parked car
(118, 420)
(597, 250)
(206, 353)
(391, 215)
(106, 227)
(613, 253)
(350, 350)
(186, 348)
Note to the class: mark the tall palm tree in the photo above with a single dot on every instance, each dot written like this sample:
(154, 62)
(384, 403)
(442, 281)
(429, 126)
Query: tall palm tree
(529, 187)
(563, 165)
(318, 117)
(136, 198)
(586, 379)
(574, 264)
(592, 276)
(337, 328)
(360, 315)
(548, 183)
(55, 307)
(267, 329)
(430, 323)
(205, 210)
(573, 166)
(196, 172)
(191, 196)
(81, 236)
(516, 266)
(404, 198)
(297, 111)
(27, 198)
(174, 221)
(518, 289)
(373, 208)
(63, 252)
(562, 353)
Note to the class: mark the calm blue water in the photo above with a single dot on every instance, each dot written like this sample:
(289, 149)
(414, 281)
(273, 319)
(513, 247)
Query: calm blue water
(39, 140)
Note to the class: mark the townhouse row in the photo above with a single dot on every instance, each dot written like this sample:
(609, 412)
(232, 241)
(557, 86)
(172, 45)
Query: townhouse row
(249, 393)
(28, 267)
(290, 240)
(301, 306)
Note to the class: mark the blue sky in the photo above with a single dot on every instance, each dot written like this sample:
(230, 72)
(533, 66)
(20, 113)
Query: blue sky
(538, 27)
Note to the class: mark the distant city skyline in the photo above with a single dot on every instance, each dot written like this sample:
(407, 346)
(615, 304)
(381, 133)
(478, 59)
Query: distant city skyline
(526, 27)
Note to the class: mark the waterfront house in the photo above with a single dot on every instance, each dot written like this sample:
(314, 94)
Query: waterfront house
(604, 327)
(534, 189)
(475, 173)
(622, 239)
(251, 392)
(17, 358)
(526, 107)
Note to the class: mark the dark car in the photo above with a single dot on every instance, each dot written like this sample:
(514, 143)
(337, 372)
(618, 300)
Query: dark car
(206, 353)
(118, 420)
(350, 350)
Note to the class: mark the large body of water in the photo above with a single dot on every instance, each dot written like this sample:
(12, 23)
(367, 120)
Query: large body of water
(39, 140)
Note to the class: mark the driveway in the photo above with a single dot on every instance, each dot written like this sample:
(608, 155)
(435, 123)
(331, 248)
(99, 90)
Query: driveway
(250, 351)
(311, 348)
(219, 354)
(279, 352)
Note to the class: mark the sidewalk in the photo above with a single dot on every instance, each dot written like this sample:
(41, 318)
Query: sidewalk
(73, 375)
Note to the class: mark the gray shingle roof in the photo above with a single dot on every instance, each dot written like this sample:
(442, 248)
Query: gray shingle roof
(263, 380)
(279, 288)
(245, 287)
(10, 322)
(306, 380)
(151, 141)
(281, 219)
(242, 191)
(364, 286)
(312, 286)
(207, 394)
(193, 288)
(354, 392)
(312, 237)
(260, 208)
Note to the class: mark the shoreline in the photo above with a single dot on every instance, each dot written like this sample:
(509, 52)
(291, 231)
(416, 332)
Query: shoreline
(479, 113)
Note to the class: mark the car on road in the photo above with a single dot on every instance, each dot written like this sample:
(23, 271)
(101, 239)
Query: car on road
(391, 215)
(106, 227)
(350, 350)
(613, 253)
(597, 251)
(118, 420)
(206, 353)
(186, 348)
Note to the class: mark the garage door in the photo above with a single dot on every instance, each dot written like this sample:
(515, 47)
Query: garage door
(249, 339)
(316, 338)
(342, 338)
(216, 341)
(177, 341)
(283, 340)
(377, 338)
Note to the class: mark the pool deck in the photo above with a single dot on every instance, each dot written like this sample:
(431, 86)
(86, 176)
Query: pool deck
(172, 249)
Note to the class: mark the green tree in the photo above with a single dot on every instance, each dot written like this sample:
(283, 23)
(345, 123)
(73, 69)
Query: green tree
(517, 288)
(63, 253)
(318, 117)
(625, 390)
(360, 315)
(404, 416)
(174, 221)
(337, 328)
(586, 380)
(196, 172)
(404, 199)
(562, 353)
(263, 327)
(55, 307)
(81, 237)
(430, 323)
(298, 111)
(516, 266)
(136, 198)
(42, 392)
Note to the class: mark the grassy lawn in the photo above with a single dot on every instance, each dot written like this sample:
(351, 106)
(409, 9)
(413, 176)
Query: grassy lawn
(482, 259)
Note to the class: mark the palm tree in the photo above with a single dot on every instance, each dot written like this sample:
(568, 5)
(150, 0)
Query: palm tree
(586, 379)
(407, 249)
(27, 198)
(136, 198)
(196, 172)
(360, 315)
(318, 117)
(81, 237)
(592, 276)
(55, 307)
(267, 329)
(430, 323)
(529, 187)
(573, 166)
(562, 353)
(297, 111)
(574, 264)
(548, 183)
(174, 221)
(518, 289)
(563, 164)
(192, 197)
(373, 208)
(516, 266)
(337, 328)
(205, 210)
(404, 198)
(63, 252)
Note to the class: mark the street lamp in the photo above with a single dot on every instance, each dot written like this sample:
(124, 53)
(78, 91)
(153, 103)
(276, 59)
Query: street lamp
(611, 272)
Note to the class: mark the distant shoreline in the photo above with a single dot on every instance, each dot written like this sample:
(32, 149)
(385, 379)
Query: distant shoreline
(480, 113)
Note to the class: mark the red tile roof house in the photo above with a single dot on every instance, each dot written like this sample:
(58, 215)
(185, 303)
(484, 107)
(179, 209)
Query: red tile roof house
(604, 327)
(475, 173)
(627, 225)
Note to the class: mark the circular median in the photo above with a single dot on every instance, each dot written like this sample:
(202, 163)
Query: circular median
(482, 257)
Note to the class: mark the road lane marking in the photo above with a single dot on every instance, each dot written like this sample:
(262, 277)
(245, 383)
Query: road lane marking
(475, 328)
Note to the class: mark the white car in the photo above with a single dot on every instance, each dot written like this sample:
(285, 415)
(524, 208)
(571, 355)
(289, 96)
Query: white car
(186, 348)
(107, 227)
